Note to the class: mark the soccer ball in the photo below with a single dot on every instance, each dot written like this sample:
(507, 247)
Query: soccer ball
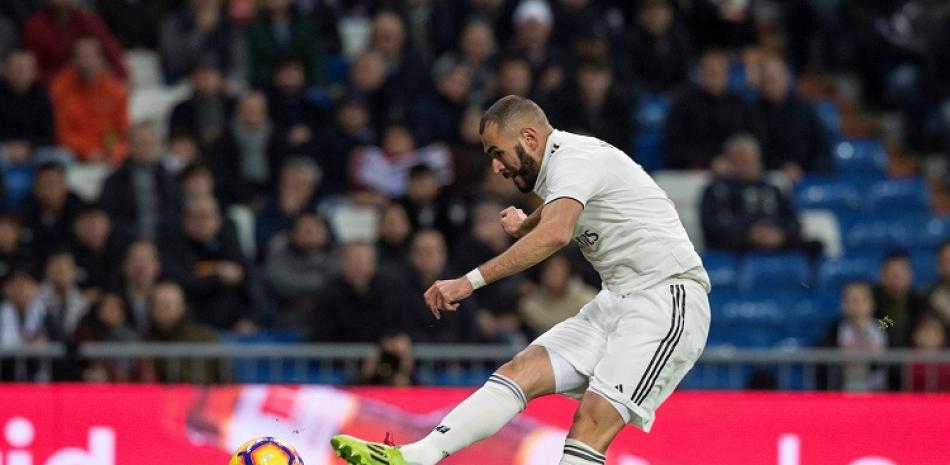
(265, 451)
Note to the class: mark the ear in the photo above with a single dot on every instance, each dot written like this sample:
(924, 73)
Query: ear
(530, 137)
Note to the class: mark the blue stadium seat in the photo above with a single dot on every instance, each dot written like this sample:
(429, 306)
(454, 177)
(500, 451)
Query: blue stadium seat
(787, 271)
(650, 112)
(882, 232)
(898, 196)
(827, 192)
(17, 182)
(835, 272)
(337, 68)
(863, 155)
(924, 264)
(830, 117)
(648, 151)
(722, 268)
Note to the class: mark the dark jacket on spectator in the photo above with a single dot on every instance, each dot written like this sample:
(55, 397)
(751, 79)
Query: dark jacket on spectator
(192, 264)
(185, 371)
(225, 162)
(48, 234)
(98, 270)
(185, 119)
(182, 46)
(793, 133)
(904, 312)
(415, 320)
(134, 22)
(698, 125)
(51, 40)
(658, 64)
(610, 122)
(303, 41)
(435, 119)
(344, 315)
(730, 207)
(287, 111)
(26, 117)
(118, 199)
(272, 221)
(332, 154)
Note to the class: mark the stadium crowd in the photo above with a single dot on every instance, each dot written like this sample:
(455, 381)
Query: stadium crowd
(310, 113)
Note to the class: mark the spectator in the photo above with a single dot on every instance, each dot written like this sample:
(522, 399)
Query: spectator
(939, 295)
(182, 152)
(53, 31)
(279, 31)
(298, 268)
(134, 22)
(199, 32)
(107, 322)
(794, 139)
(533, 22)
(247, 155)
(141, 269)
(294, 113)
(704, 116)
(90, 106)
(513, 78)
(468, 154)
(406, 76)
(195, 182)
(741, 210)
(170, 323)
(477, 50)
(355, 306)
(299, 178)
(9, 35)
(95, 249)
(723, 24)
(13, 254)
(428, 260)
(429, 207)
(26, 115)
(657, 49)
(385, 169)
(930, 335)
(391, 364)
(204, 116)
(392, 247)
(559, 296)
(897, 300)
(366, 81)
(856, 331)
(350, 129)
(595, 105)
(140, 194)
(22, 314)
(208, 263)
(48, 214)
(436, 116)
(64, 304)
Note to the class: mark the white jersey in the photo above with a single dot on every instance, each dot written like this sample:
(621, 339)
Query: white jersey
(629, 229)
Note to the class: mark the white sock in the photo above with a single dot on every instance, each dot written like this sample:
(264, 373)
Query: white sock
(481, 415)
(578, 453)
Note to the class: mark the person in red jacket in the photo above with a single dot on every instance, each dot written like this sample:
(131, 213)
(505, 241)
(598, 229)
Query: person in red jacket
(90, 106)
(50, 33)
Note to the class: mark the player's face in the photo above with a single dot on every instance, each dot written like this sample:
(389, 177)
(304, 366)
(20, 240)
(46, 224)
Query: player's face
(510, 158)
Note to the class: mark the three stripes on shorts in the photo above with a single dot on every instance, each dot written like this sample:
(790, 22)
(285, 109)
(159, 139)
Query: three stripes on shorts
(667, 345)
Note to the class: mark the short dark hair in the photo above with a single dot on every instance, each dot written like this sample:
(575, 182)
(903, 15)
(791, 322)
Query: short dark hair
(507, 108)
(50, 166)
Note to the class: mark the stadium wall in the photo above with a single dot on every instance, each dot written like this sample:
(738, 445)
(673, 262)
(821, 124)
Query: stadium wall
(152, 425)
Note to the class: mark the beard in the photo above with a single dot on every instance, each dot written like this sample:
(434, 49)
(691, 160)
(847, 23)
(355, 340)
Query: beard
(528, 172)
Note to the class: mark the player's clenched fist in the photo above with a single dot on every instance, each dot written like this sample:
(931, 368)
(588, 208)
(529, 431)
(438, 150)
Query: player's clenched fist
(445, 295)
(511, 221)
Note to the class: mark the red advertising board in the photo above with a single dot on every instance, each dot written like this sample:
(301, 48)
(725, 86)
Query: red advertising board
(152, 425)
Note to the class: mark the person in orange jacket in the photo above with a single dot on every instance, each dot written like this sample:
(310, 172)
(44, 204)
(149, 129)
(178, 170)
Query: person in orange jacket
(90, 106)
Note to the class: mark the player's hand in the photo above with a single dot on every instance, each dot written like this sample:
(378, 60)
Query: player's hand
(511, 220)
(445, 295)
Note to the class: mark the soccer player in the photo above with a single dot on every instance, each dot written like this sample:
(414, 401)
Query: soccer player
(627, 349)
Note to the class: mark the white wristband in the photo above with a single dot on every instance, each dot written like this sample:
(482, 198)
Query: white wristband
(475, 277)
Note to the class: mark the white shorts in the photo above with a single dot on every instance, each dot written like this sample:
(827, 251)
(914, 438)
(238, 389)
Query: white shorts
(635, 348)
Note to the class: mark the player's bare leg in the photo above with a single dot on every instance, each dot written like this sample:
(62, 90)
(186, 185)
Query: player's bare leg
(527, 376)
(596, 423)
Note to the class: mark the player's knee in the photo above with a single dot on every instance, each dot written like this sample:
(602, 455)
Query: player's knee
(524, 370)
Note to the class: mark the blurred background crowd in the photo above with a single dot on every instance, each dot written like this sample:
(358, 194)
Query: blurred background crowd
(196, 170)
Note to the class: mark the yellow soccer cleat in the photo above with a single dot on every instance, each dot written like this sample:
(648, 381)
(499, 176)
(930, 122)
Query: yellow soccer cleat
(359, 452)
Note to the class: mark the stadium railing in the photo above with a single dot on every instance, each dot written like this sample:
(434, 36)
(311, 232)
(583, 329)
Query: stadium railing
(719, 368)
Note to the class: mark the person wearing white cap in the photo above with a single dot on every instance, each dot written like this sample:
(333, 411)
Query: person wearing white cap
(534, 21)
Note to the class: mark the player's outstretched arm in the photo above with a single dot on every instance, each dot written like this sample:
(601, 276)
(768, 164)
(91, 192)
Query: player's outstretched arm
(553, 231)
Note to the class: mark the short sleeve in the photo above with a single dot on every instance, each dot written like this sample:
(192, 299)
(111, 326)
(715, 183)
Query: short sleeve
(575, 176)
